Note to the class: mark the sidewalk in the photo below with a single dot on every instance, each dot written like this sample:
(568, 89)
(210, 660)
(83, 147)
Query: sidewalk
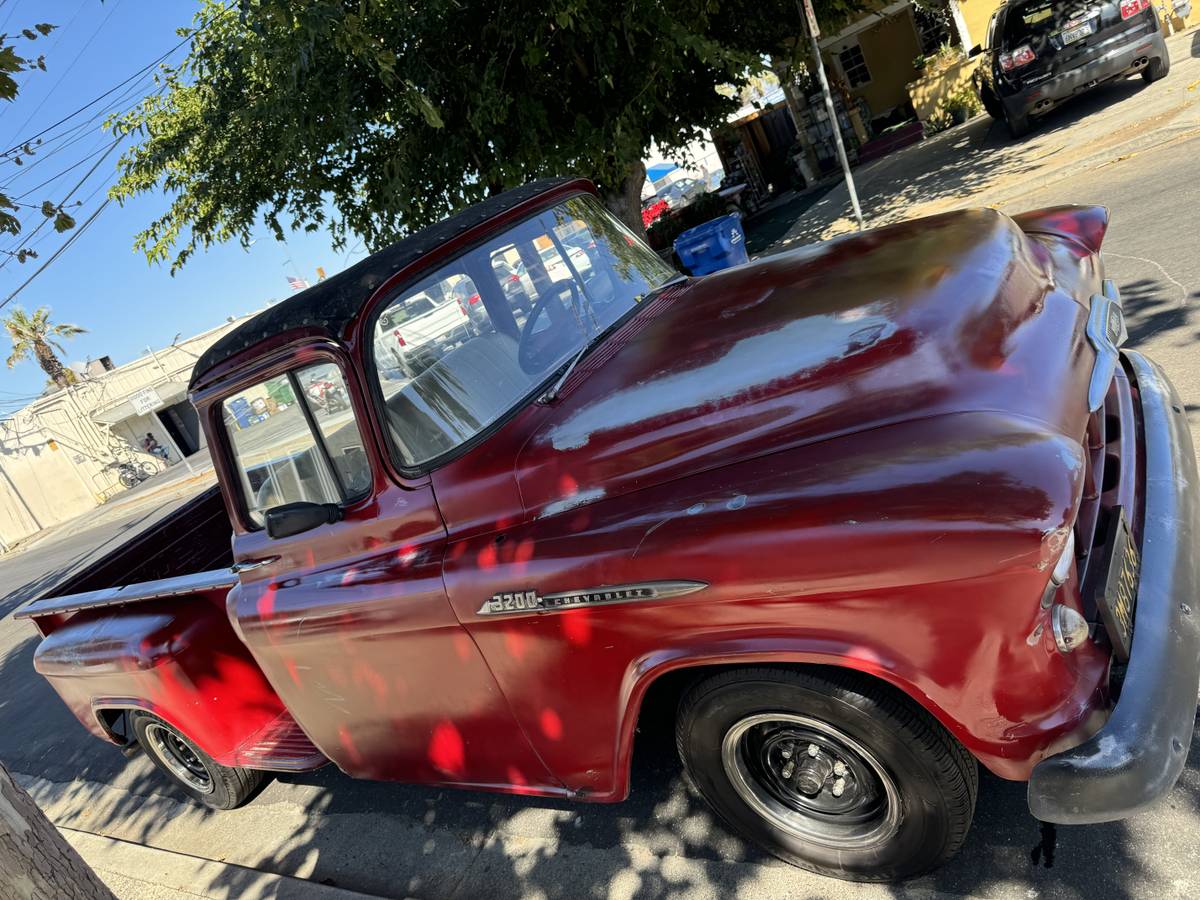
(977, 164)
(137, 872)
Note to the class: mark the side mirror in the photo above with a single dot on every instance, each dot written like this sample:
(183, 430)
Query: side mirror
(294, 518)
(975, 51)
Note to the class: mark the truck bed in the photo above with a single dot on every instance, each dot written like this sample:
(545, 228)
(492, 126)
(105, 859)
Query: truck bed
(188, 551)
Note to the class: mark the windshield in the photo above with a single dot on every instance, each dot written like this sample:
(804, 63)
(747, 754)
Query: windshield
(518, 307)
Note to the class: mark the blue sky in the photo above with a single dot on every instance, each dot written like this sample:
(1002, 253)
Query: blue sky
(99, 282)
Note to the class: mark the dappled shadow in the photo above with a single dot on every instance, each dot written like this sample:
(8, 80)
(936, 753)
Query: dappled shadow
(1151, 310)
(397, 840)
(953, 164)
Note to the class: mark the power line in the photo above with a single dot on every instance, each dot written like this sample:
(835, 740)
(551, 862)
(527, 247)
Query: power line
(72, 64)
(75, 235)
(96, 100)
(62, 202)
(29, 74)
(10, 15)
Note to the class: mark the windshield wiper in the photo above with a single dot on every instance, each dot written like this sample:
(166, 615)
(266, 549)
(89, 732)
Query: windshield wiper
(552, 393)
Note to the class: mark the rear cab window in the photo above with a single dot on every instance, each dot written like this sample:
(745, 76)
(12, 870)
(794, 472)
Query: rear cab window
(294, 439)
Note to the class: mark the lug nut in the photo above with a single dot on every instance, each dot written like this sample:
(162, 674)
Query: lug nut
(839, 768)
(787, 751)
(813, 749)
(788, 768)
(839, 787)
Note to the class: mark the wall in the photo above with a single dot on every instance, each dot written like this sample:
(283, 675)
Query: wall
(975, 15)
(928, 93)
(889, 47)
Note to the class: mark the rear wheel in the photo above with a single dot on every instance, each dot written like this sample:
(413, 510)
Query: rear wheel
(198, 774)
(1018, 124)
(834, 773)
(1157, 69)
(991, 104)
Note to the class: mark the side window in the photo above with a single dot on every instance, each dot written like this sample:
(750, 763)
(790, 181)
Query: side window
(990, 40)
(294, 438)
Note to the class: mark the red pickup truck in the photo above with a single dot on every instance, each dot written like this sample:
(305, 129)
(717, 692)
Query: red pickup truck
(871, 513)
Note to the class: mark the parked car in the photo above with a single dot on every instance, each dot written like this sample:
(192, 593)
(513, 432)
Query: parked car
(679, 194)
(423, 330)
(908, 510)
(1040, 53)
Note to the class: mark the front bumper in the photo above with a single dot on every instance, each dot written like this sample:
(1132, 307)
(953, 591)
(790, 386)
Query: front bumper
(1044, 95)
(1139, 753)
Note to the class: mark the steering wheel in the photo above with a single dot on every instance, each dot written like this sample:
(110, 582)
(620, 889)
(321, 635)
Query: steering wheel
(538, 350)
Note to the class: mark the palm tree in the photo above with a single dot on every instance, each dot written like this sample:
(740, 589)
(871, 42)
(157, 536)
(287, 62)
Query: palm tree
(37, 335)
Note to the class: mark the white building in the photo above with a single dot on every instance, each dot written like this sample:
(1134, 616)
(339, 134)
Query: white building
(60, 455)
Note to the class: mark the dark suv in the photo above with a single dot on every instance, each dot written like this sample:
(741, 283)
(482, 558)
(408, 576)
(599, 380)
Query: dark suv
(1042, 52)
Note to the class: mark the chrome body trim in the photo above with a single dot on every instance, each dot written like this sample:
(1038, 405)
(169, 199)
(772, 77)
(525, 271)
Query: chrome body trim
(531, 601)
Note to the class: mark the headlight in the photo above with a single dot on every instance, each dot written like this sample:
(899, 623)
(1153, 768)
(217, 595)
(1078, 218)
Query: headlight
(1062, 568)
(1070, 628)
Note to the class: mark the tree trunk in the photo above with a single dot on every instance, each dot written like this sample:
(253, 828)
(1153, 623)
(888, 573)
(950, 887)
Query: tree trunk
(50, 363)
(36, 863)
(626, 201)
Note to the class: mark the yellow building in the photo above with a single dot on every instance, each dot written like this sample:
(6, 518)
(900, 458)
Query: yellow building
(873, 56)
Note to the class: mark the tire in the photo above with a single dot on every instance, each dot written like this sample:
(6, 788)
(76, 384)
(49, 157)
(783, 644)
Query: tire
(909, 789)
(1018, 125)
(208, 782)
(128, 477)
(991, 104)
(145, 471)
(1157, 70)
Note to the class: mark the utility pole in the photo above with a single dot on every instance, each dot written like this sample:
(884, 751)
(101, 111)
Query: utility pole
(810, 17)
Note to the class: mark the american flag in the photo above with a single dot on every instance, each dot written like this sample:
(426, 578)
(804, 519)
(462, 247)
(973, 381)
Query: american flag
(298, 284)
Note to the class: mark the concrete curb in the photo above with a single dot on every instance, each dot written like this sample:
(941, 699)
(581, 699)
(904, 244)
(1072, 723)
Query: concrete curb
(138, 872)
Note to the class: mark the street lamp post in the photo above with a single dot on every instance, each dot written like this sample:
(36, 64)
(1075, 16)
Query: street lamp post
(814, 32)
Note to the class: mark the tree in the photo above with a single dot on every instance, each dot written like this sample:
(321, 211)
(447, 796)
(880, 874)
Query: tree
(35, 860)
(376, 117)
(36, 335)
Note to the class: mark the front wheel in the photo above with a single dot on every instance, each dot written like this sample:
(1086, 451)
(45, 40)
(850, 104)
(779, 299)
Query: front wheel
(833, 773)
(200, 776)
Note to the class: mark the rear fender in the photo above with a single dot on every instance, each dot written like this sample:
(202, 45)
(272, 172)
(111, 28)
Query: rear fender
(1084, 226)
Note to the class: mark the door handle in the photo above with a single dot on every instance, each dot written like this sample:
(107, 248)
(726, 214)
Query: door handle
(251, 564)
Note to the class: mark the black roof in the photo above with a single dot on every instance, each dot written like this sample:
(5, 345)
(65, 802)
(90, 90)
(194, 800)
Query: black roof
(332, 304)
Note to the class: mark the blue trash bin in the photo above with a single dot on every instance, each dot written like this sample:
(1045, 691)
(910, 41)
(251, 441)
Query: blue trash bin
(715, 245)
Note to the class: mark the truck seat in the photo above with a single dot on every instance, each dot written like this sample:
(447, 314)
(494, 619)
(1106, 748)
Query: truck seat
(456, 397)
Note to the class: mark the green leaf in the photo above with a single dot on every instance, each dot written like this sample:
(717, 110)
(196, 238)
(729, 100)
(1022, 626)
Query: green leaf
(44, 28)
(63, 221)
(48, 209)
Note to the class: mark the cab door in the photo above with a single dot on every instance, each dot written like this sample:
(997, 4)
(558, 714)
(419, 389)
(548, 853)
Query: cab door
(349, 619)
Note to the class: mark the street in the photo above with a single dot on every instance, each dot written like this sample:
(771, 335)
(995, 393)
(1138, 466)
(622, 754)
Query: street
(396, 841)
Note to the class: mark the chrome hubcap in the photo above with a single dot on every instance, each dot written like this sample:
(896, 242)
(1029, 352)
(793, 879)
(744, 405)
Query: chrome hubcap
(811, 780)
(179, 758)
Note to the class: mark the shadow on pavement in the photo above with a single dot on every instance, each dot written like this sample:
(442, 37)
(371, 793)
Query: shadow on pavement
(396, 840)
(954, 165)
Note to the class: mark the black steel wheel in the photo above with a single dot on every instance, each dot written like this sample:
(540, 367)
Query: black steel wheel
(200, 776)
(833, 772)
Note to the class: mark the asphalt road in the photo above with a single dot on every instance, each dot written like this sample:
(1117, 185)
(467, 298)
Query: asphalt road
(397, 840)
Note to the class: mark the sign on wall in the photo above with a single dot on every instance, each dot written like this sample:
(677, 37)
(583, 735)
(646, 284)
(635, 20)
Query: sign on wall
(145, 401)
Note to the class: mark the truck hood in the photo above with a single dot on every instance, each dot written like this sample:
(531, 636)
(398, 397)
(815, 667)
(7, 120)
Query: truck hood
(947, 314)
